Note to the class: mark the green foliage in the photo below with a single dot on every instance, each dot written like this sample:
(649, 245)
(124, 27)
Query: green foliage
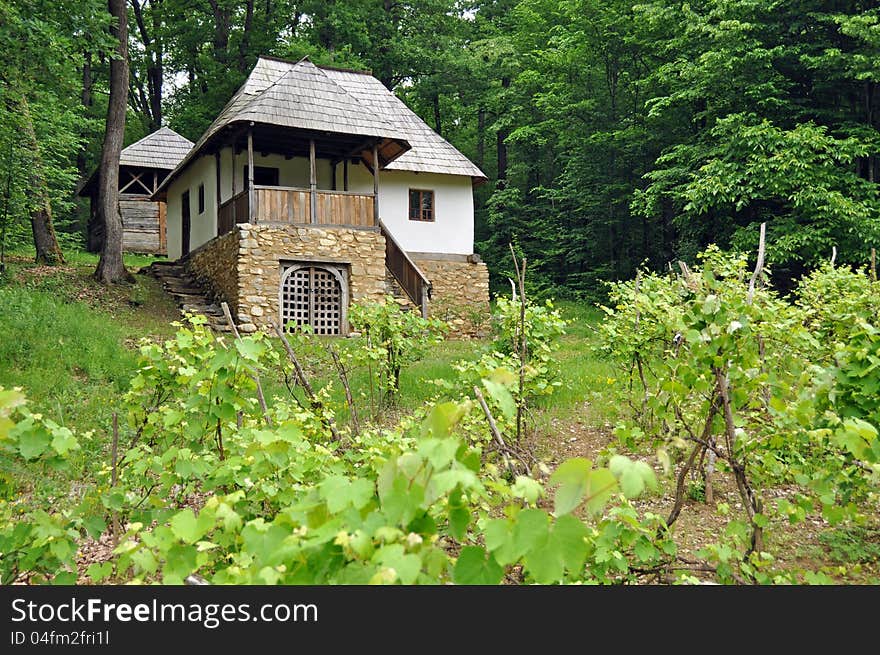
(274, 503)
(391, 338)
(783, 393)
(41, 52)
(853, 544)
(34, 544)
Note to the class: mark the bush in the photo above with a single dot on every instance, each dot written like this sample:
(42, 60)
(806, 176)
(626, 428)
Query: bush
(391, 338)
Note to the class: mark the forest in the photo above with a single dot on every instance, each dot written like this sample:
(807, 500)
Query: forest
(614, 134)
(679, 381)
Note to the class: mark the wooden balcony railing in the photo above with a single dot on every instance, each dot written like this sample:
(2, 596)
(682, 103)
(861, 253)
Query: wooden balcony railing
(234, 210)
(293, 205)
(405, 271)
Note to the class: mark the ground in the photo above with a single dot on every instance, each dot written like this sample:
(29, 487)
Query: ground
(71, 344)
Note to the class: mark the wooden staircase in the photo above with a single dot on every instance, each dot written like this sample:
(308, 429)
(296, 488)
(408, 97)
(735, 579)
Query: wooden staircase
(191, 296)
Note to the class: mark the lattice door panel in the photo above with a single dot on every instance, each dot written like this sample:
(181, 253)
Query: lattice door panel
(312, 295)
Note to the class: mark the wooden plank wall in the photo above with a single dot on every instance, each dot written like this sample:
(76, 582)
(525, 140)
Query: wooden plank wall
(141, 225)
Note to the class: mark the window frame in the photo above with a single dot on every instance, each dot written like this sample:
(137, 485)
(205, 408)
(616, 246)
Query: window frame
(421, 210)
(201, 198)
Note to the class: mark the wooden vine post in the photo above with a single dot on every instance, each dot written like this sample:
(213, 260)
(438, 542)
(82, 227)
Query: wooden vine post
(521, 339)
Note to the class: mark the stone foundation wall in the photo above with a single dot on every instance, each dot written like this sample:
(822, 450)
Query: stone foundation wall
(262, 248)
(460, 293)
(215, 266)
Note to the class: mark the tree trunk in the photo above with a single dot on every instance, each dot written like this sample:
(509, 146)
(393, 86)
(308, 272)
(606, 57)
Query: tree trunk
(503, 133)
(86, 98)
(151, 100)
(438, 125)
(110, 266)
(45, 242)
(481, 137)
(388, 31)
(222, 17)
(244, 46)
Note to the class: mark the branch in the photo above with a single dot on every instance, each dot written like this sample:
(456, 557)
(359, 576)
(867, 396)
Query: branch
(317, 405)
(256, 376)
(759, 265)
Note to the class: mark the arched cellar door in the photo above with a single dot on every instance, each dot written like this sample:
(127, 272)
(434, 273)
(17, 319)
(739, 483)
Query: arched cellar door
(315, 295)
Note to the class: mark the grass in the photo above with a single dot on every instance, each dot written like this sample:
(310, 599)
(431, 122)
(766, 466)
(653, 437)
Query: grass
(70, 343)
(586, 378)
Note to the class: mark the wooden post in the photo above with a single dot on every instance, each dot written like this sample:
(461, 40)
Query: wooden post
(313, 182)
(424, 300)
(219, 178)
(375, 183)
(345, 174)
(334, 164)
(217, 193)
(163, 229)
(250, 182)
(234, 217)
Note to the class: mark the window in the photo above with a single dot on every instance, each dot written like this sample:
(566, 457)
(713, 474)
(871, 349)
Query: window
(263, 176)
(421, 205)
(201, 198)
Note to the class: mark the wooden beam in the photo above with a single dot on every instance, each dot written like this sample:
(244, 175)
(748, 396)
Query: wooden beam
(313, 182)
(334, 164)
(375, 183)
(135, 178)
(345, 174)
(218, 179)
(251, 208)
(360, 148)
(234, 217)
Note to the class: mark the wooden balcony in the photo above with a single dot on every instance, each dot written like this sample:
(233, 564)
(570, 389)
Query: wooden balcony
(293, 205)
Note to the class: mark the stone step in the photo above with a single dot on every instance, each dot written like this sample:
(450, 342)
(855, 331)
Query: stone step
(194, 299)
(168, 271)
(189, 294)
(205, 310)
(186, 289)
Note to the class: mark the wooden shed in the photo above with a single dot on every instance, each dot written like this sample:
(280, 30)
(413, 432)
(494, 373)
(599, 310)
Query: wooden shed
(142, 167)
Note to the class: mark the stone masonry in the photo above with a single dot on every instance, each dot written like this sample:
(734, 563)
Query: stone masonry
(243, 267)
(262, 248)
(459, 293)
(214, 265)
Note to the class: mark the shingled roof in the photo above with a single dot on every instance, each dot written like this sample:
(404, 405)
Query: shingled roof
(164, 149)
(304, 96)
(430, 152)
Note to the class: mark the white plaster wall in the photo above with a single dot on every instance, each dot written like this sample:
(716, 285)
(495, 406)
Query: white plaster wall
(452, 230)
(360, 179)
(291, 172)
(203, 227)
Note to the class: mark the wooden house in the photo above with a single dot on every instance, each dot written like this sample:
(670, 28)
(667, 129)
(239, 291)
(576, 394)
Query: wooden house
(143, 166)
(316, 187)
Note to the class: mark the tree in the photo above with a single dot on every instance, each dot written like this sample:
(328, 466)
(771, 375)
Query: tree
(45, 241)
(41, 117)
(147, 87)
(111, 267)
